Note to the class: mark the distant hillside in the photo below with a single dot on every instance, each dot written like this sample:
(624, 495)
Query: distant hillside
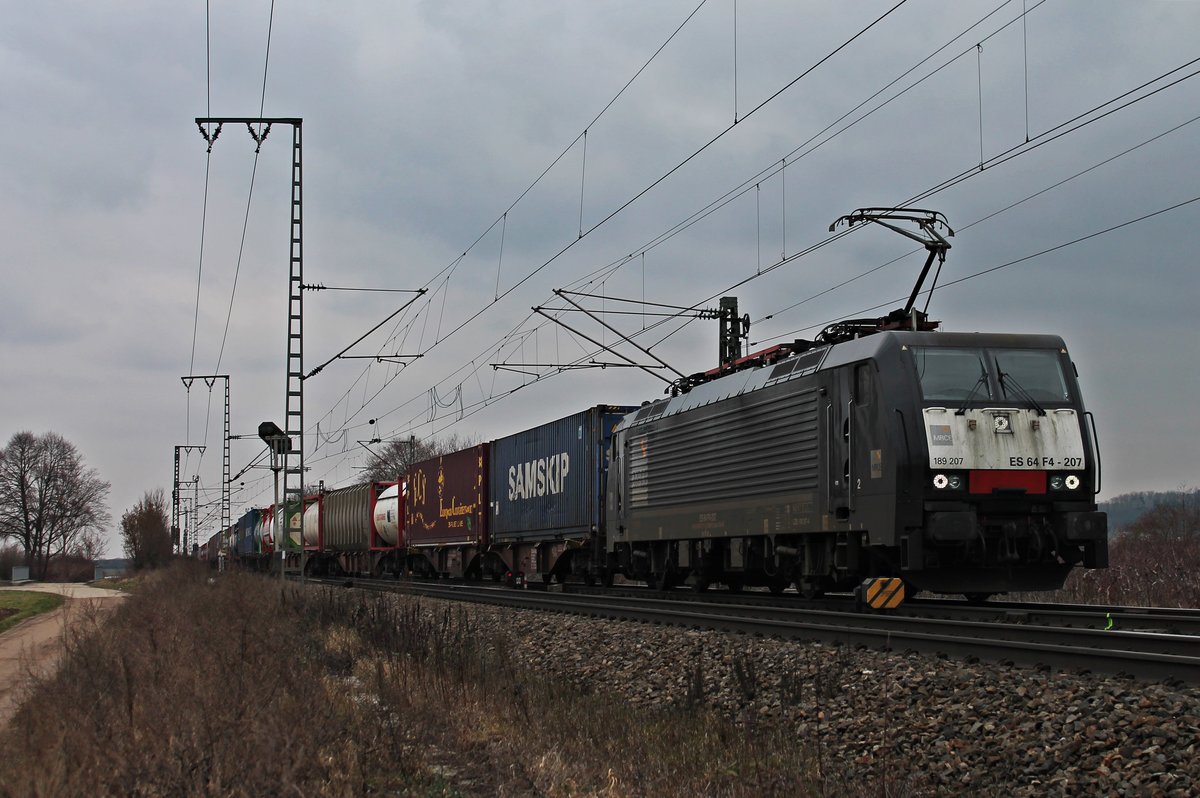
(1125, 509)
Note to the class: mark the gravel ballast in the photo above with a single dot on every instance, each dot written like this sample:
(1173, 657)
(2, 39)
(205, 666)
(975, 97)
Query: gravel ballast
(917, 723)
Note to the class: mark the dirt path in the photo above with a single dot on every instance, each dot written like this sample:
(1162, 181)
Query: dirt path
(32, 647)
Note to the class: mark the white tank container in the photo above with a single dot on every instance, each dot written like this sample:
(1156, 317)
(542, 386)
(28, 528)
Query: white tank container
(312, 523)
(386, 515)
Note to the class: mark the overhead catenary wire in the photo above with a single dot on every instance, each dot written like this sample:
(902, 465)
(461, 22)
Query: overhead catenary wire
(503, 217)
(1082, 116)
(1071, 125)
(441, 338)
(204, 215)
(985, 218)
(1005, 265)
(438, 337)
(800, 151)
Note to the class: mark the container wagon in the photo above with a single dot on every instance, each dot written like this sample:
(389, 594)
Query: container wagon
(359, 529)
(446, 516)
(546, 497)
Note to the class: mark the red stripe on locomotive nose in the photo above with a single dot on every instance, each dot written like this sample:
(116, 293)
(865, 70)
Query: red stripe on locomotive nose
(1001, 481)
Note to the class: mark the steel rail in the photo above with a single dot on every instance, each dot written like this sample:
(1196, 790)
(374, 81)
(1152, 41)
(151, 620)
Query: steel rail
(1145, 655)
(1181, 621)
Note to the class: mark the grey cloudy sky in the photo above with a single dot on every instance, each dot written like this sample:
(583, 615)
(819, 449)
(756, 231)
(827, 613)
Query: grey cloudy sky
(423, 122)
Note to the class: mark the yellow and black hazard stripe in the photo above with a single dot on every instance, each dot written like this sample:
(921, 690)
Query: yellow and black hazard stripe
(885, 593)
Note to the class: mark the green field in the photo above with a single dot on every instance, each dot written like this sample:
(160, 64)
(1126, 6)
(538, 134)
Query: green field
(17, 605)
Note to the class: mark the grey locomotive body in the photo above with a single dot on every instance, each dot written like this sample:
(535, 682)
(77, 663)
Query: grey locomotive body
(961, 462)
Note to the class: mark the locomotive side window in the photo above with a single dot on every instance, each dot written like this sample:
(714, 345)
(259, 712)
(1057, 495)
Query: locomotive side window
(862, 381)
(951, 374)
(1036, 372)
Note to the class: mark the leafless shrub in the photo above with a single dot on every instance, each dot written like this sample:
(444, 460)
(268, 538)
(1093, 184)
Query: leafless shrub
(9, 556)
(1154, 562)
(145, 531)
(744, 676)
(694, 687)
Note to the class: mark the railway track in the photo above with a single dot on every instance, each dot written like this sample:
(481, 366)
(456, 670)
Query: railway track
(1084, 616)
(1028, 635)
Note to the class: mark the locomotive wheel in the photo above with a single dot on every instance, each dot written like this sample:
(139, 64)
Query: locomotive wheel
(811, 590)
(700, 585)
(734, 585)
(606, 578)
(777, 586)
(977, 598)
(589, 579)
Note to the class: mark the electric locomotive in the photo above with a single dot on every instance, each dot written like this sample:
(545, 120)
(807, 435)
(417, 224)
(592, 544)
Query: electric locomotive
(959, 462)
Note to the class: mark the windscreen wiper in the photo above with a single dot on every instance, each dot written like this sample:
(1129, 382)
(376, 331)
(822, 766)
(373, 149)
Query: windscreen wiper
(962, 411)
(1021, 392)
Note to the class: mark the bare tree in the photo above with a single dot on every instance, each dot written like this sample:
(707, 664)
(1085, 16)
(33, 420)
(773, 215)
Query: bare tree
(397, 456)
(146, 531)
(50, 501)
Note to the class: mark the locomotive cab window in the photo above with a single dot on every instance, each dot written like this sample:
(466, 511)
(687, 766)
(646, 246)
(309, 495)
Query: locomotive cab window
(948, 375)
(1033, 373)
(862, 381)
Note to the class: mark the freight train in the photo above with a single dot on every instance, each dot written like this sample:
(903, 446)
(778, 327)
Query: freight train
(962, 463)
(959, 462)
(527, 506)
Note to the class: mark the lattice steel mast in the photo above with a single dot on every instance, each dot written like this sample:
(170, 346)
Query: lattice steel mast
(293, 465)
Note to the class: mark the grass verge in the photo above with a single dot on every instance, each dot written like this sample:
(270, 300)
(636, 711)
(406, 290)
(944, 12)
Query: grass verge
(18, 605)
(123, 584)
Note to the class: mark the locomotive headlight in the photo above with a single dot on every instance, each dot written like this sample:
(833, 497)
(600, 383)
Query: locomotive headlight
(1056, 482)
(948, 481)
(1072, 482)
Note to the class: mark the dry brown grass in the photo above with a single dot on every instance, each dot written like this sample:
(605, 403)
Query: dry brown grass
(236, 686)
(1154, 562)
(182, 693)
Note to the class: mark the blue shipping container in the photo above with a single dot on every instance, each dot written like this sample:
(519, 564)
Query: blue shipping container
(547, 483)
(247, 539)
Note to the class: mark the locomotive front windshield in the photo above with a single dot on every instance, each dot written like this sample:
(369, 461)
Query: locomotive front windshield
(952, 374)
(1036, 373)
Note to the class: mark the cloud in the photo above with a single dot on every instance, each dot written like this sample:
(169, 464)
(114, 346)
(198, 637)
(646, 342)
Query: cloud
(424, 122)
